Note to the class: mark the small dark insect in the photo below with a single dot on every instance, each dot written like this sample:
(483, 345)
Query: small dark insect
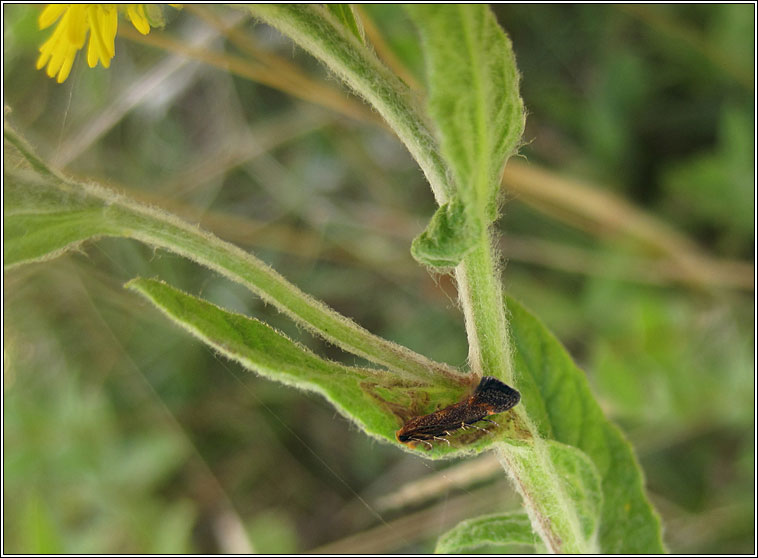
(490, 397)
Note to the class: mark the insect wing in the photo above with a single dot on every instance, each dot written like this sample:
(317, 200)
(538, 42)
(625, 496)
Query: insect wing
(438, 423)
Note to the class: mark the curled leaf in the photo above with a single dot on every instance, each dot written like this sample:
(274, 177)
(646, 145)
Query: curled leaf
(448, 237)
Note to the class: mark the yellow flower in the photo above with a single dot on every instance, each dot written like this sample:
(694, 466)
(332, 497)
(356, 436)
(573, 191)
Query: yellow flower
(76, 20)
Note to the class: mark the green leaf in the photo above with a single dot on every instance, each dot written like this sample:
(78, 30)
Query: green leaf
(356, 392)
(557, 398)
(347, 17)
(447, 238)
(46, 215)
(499, 529)
(581, 484)
(473, 97)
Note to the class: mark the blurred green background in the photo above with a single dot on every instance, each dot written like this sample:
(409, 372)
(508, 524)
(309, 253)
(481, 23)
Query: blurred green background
(122, 434)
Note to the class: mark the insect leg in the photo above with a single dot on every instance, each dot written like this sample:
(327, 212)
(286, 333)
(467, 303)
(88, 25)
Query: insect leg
(424, 442)
(482, 429)
(443, 439)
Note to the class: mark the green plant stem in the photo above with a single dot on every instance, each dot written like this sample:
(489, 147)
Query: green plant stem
(480, 295)
(317, 31)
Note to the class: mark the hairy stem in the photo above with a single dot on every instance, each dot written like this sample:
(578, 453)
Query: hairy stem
(480, 295)
(531, 469)
(317, 31)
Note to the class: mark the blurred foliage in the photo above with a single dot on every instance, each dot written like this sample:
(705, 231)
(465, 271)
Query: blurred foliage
(121, 434)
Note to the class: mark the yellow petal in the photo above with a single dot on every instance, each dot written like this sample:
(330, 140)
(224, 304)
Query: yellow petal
(96, 43)
(56, 60)
(66, 68)
(50, 14)
(56, 51)
(111, 27)
(92, 52)
(103, 24)
(136, 13)
(42, 60)
(46, 50)
(77, 24)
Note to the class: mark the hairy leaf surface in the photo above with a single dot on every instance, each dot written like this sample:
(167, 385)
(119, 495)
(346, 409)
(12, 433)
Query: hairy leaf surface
(557, 397)
(499, 529)
(473, 97)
